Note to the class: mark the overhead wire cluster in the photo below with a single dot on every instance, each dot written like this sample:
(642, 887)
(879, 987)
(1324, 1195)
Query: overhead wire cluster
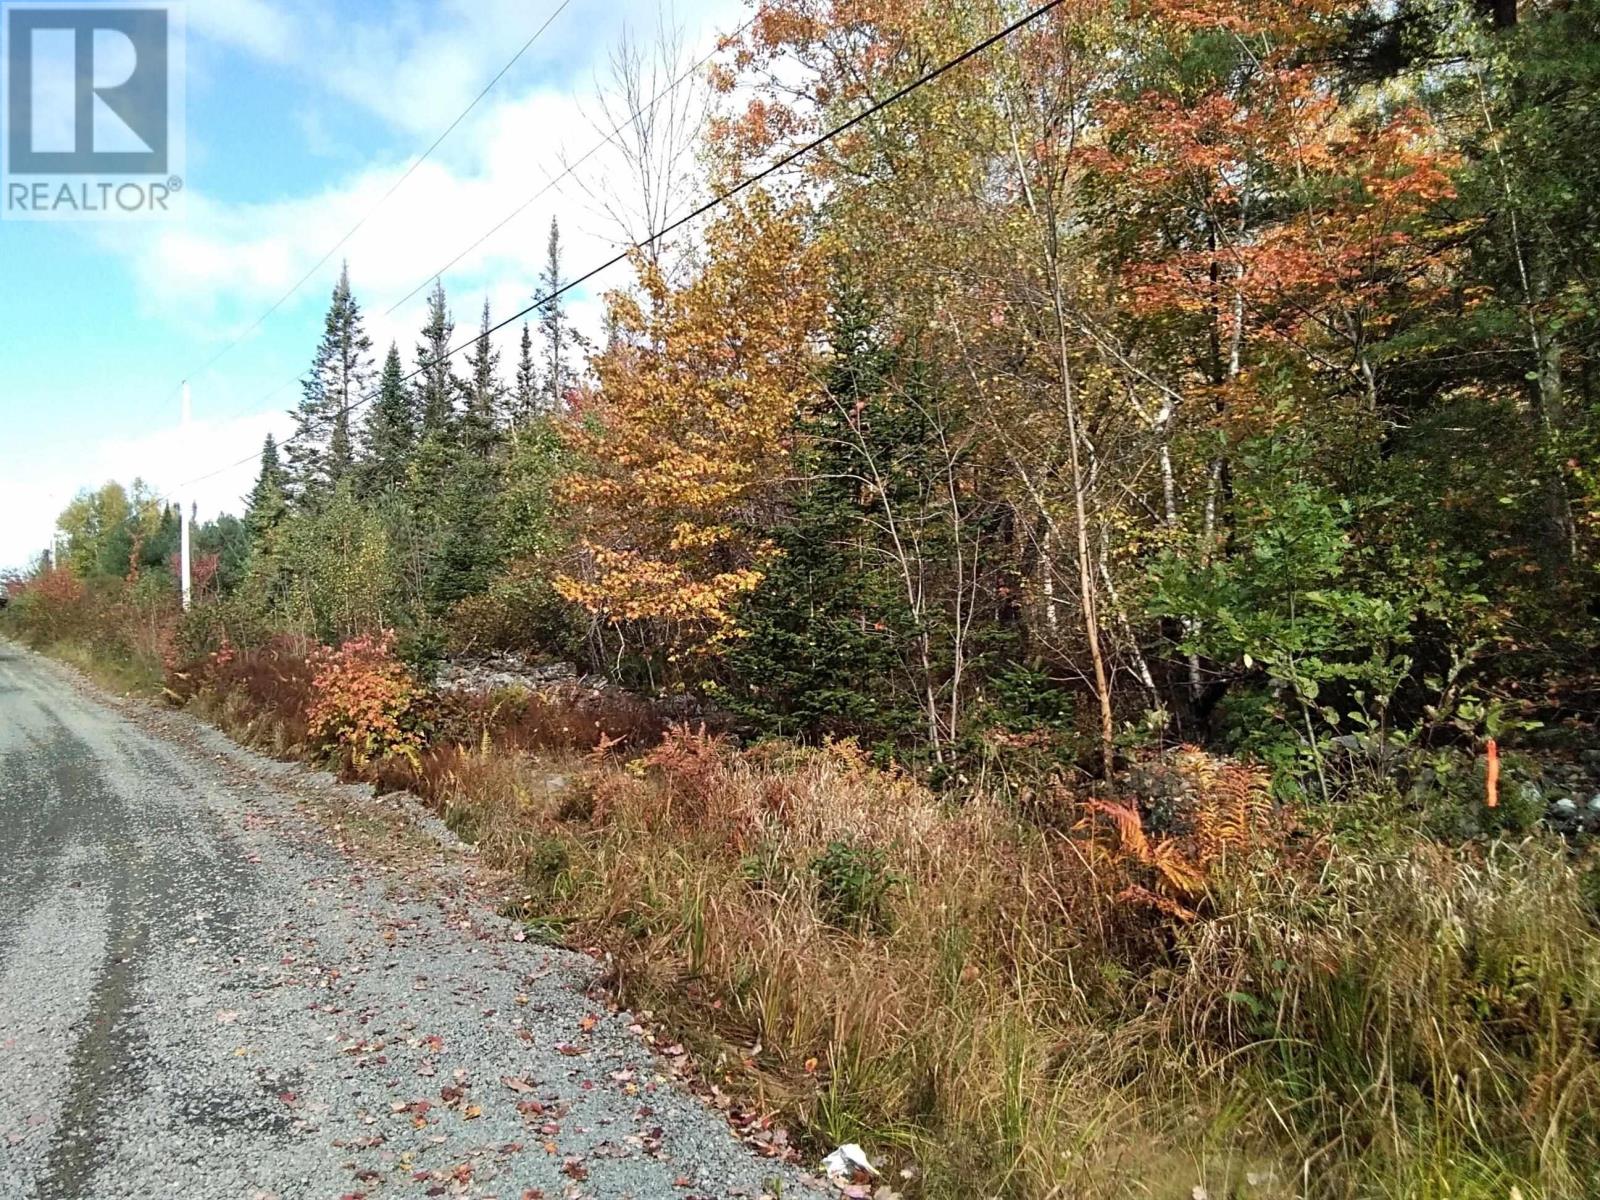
(383, 199)
(716, 201)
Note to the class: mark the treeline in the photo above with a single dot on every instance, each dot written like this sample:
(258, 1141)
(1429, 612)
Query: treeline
(406, 488)
(1220, 370)
(1187, 371)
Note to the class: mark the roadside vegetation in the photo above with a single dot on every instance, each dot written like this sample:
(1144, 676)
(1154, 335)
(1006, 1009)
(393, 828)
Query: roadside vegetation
(1085, 595)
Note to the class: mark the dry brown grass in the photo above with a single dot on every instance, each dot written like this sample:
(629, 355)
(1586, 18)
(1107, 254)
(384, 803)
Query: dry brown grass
(559, 718)
(986, 997)
(1422, 1026)
(262, 696)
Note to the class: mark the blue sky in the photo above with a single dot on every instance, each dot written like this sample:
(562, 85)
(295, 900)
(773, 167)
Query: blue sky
(300, 115)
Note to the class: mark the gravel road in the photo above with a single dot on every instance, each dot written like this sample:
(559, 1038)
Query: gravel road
(208, 991)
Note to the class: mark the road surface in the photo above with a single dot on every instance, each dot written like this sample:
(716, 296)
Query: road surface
(208, 991)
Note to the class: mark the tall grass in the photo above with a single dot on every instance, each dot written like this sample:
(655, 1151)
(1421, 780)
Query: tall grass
(1050, 1003)
(1424, 1024)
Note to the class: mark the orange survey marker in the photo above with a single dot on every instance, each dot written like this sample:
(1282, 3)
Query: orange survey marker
(1491, 774)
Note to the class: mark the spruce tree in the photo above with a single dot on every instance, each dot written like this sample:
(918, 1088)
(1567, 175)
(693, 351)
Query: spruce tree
(828, 626)
(560, 343)
(267, 503)
(391, 430)
(466, 553)
(441, 464)
(526, 394)
(480, 420)
(436, 383)
(321, 452)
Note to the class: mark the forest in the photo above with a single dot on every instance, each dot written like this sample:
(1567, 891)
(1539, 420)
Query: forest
(1085, 589)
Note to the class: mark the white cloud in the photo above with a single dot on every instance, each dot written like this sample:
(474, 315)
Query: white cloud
(215, 272)
(416, 66)
(226, 263)
(209, 277)
(256, 26)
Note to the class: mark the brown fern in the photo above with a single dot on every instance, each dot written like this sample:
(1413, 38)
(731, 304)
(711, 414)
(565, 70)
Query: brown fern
(1175, 872)
(1231, 812)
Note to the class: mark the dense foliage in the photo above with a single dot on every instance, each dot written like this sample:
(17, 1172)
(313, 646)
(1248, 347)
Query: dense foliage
(1215, 374)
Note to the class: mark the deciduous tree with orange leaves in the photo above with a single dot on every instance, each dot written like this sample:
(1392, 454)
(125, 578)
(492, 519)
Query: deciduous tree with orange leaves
(684, 437)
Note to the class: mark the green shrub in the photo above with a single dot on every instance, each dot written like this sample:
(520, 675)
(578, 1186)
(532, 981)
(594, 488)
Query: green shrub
(854, 886)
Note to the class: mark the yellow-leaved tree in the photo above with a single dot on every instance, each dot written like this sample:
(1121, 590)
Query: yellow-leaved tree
(684, 443)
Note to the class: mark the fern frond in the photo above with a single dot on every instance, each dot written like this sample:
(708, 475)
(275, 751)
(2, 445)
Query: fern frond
(1129, 826)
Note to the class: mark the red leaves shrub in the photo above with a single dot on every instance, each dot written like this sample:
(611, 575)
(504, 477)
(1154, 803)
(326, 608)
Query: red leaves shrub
(365, 703)
(59, 587)
(51, 607)
(272, 679)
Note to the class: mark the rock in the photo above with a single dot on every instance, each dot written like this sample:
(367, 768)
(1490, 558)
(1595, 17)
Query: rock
(1566, 818)
(502, 672)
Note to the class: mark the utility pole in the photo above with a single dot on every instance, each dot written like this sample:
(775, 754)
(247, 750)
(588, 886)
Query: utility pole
(183, 508)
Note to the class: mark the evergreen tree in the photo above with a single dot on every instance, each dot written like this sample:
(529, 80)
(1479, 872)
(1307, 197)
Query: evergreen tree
(436, 383)
(227, 539)
(157, 548)
(526, 396)
(560, 341)
(466, 554)
(268, 502)
(480, 421)
(321, 452)
(438, 452)
(827, 630)
(391, 430)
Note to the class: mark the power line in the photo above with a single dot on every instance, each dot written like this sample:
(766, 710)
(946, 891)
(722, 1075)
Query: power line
(639, 112)
(570, 169)
(715, 202)
(384, 199)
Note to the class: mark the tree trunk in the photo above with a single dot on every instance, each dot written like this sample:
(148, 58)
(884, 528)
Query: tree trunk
(1080, 519)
